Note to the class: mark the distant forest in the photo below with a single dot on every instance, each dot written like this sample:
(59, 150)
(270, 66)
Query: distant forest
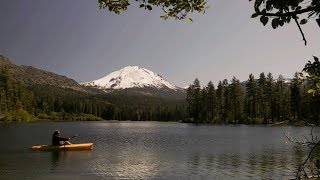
(258, 101)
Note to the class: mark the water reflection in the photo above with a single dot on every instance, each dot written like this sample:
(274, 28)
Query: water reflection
(128, 164)
(269, 163)
(55, 158)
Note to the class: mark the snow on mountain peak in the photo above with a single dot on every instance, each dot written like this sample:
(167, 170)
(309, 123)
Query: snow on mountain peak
(131, 77)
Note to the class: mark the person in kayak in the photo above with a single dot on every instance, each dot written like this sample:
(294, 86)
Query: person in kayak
(59, 141)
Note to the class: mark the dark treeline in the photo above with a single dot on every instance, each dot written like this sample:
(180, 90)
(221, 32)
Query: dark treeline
(107, 106)
(146, 108)
(258, 101)
(50, 99)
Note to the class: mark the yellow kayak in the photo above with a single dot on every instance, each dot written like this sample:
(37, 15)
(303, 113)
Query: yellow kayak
(71, 147)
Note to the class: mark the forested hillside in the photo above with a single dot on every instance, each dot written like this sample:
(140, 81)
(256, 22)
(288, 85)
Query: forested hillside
(15, 100)
(29, 93)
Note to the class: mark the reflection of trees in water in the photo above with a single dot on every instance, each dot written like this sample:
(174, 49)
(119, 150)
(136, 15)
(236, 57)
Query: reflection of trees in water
(268, 163)
(195, 160)
(209, 161)
(252, 162)
(299, 153)
(55, 158)
(235, 162)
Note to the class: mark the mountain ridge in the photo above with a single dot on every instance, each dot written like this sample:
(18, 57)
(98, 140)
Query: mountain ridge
(34, 76)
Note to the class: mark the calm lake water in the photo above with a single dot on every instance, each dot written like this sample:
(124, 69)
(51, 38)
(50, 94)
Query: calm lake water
(151, 150)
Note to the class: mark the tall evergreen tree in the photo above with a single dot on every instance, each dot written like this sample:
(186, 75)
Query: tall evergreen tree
(212, 102)
(203, 105)
(262, 97)
(194, 100)
(251, 99)
(227, 114)
(270, 88)
(221, 101)
(237, 97)
(281, 102)
(296, 96)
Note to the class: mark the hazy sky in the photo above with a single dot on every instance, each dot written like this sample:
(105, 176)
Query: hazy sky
(76, 39)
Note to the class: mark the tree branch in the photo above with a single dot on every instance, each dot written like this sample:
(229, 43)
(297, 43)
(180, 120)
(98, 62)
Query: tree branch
(302, 171)
(301, 166)
(296, 20)
(292, 13)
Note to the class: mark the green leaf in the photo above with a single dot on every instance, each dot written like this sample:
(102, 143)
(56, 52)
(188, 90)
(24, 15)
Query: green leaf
(275, 23)
(289, 19)
(258, 3)
(264, 20)
(303, 21)
(318, 21)
(190, 19)
(281, 22)
(311, 91)
(149, 7)
(254, 15)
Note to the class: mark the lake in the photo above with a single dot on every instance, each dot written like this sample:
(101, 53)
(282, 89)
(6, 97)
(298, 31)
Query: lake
(152, 150)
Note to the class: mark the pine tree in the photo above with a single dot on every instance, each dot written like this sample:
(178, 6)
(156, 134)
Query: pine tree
(251, 99)
(281, 102)
(270, 88)
(221, 101)
(203, 105)
(237, 95)
(296, 96)
(212, 102)
(227, 106)
(194, 101)
(262, 98)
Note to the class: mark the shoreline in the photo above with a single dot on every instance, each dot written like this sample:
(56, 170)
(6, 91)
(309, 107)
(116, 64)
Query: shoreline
(281, 123)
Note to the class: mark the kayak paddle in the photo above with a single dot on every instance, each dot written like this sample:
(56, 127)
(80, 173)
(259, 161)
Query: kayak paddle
(74, 136)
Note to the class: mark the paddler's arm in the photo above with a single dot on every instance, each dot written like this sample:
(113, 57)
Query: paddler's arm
(63, 139)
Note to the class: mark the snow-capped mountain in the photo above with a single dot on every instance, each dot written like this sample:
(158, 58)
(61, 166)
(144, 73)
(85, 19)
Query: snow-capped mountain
(131, 77)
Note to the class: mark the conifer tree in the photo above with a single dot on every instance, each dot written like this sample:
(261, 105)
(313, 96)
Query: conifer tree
(227, 114)
(262, 97)
(295, 96)
(237, 97)
(221, 101)
(203, 105)
(212, 103)
(270, 85)
(251, 98)
(194, 100)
